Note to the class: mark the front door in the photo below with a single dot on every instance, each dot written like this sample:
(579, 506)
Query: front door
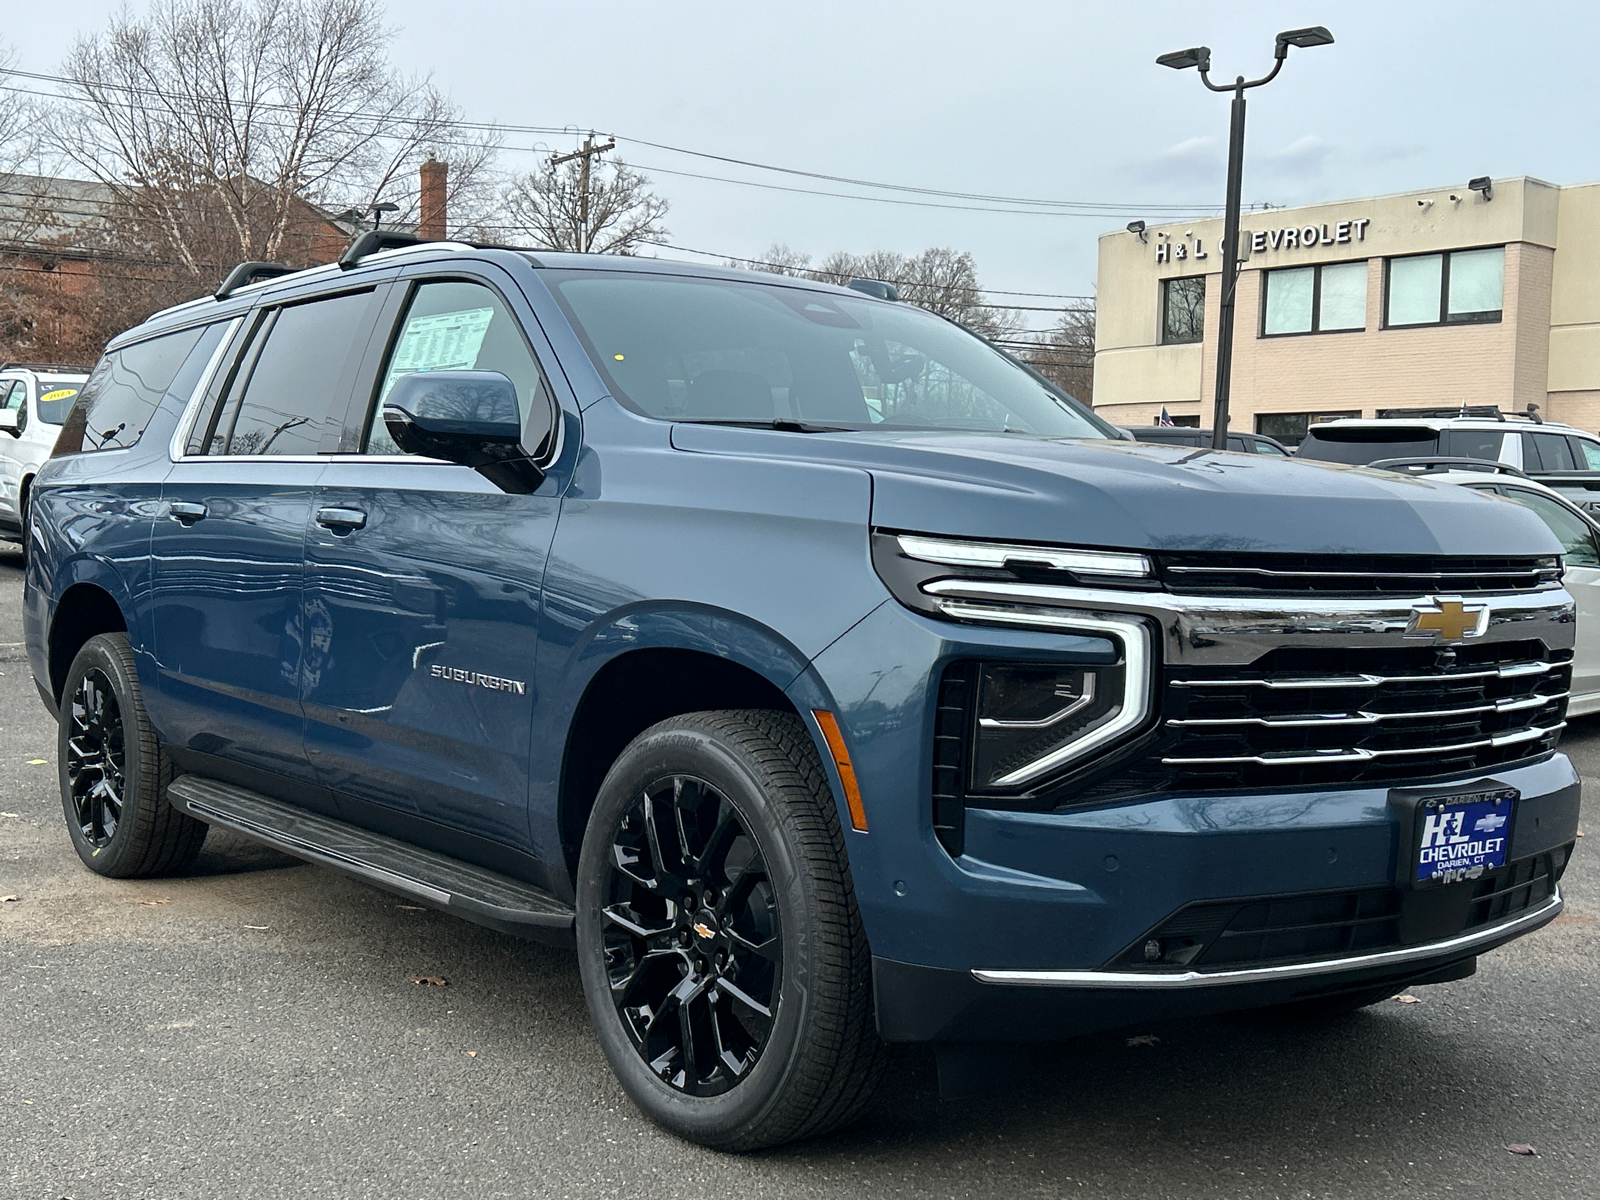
(422, 590)
(228, 550)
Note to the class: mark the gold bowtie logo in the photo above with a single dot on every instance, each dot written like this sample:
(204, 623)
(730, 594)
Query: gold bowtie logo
(701, 928)
(1448, 619)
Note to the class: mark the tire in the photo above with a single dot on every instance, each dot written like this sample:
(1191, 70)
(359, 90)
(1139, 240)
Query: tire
(22, 519)
(114, 775)
(781, 936)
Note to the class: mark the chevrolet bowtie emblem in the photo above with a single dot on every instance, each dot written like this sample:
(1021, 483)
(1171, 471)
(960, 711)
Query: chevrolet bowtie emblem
(1449, 619)
(703, 930)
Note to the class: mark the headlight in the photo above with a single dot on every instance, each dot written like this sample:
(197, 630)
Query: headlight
(1031, 718)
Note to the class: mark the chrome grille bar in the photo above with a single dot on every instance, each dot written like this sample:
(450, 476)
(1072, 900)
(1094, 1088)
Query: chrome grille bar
(1357, 754)
(1321, 720)
(1510, 671)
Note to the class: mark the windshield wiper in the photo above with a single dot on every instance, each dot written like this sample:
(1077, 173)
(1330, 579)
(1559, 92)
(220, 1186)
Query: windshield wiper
(782, 423)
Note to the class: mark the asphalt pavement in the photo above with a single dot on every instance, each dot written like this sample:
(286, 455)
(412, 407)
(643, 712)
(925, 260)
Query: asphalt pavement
(253, 1030)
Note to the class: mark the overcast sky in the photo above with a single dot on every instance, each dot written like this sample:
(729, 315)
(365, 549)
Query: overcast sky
(1056, 101)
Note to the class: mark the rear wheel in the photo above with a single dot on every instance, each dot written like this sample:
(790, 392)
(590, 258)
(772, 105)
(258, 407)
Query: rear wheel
(114, 774)
(721, 951)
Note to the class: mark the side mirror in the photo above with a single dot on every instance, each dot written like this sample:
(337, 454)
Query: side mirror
(8, 421)
(466, 417)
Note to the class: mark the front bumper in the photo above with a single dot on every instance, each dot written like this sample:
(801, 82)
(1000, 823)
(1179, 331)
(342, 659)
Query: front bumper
(929, 1004)
(1025, 931)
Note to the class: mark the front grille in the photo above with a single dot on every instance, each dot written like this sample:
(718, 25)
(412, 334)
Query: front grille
(1307, 717)
(1352, 575)
(1234, 934)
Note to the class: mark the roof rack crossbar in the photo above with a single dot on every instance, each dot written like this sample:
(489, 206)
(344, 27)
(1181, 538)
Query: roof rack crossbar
(374, 240)
(247, 273)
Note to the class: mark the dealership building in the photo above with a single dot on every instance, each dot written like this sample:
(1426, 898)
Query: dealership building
(1425, 300)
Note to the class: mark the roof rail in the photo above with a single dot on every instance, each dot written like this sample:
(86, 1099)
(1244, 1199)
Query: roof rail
(374, 240)
(34, 366)
(1430, 465)
(1488, 411)
(247, 273)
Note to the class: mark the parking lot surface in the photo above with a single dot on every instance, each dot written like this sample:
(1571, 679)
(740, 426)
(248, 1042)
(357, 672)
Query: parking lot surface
(253, 1030)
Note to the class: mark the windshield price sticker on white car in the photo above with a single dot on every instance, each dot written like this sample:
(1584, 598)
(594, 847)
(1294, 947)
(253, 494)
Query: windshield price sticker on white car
(1463, 836)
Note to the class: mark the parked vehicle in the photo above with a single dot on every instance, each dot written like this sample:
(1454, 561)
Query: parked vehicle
(1578, 533)
(1535, 447)
(34, 401)
(1179, 435)
(829, 678)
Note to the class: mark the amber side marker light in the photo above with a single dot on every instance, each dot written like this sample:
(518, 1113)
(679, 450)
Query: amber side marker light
(847, 773)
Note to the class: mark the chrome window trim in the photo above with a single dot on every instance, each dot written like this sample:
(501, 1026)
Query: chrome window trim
(1328, 966)
(191, 409)
(1136, 687)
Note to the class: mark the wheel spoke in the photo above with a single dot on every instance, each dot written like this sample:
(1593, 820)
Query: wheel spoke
(744, 998)
(664, 875)
(769, 949)
(619, 915)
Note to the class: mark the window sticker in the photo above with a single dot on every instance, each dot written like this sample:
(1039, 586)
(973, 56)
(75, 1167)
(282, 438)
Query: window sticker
(444, 342)
(58, 394)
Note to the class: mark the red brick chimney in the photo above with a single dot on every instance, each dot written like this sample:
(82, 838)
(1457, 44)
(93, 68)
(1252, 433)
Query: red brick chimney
(430, 222)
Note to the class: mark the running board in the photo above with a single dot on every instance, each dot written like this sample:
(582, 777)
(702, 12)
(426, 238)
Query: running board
(479, 895)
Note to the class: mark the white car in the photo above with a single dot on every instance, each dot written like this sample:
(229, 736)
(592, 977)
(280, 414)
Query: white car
(34, 401)
(1579, 534)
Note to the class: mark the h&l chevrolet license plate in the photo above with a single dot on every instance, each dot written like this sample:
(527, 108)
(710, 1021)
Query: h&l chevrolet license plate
(1462, 836)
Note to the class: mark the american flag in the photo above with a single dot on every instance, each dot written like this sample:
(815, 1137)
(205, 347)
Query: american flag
(1166, 417)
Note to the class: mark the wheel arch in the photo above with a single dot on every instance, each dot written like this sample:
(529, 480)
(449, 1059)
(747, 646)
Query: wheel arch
(649, 665)
(84, 610)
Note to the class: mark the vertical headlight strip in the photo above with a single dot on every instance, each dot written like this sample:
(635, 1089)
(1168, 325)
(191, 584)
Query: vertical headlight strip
(1094, 715)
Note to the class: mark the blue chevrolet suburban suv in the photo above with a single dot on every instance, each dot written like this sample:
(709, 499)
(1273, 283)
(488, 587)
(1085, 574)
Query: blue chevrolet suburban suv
(830, 679)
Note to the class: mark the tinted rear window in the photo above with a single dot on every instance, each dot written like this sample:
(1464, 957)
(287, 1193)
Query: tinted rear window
(1472, 443)
(56, 398)
(123, 392)
(1361, 446)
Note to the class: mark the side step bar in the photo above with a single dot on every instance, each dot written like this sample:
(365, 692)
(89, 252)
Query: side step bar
(479, 895)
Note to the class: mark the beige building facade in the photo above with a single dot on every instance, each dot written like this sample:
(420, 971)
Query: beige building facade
(1430, 299)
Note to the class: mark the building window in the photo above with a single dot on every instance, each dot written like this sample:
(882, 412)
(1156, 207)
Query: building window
(1458, 287)
(1331, 298)
(1290, 428)
(1183, 309)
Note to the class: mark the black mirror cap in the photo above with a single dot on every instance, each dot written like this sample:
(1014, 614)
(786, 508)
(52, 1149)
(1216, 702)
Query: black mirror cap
(471, 418)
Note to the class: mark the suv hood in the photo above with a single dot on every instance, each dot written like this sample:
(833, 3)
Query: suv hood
(1129, 495)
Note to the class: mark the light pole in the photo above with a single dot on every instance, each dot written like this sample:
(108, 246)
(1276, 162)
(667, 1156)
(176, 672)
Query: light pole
(1200, 56)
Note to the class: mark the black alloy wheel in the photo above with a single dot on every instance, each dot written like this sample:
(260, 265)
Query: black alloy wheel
(721, 949)
(693, 942)
(96, 759)
(114, 773)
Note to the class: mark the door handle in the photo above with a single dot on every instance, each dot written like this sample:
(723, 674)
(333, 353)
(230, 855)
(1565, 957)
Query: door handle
(341, 520)
(186, 512)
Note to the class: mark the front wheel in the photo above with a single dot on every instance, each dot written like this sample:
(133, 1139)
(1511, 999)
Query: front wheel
(720, 946)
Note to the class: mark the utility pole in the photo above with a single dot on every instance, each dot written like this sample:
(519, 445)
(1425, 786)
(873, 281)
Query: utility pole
(586, 152)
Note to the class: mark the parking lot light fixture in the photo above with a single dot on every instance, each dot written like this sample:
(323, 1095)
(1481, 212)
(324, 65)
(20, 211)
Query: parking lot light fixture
(1200, 57)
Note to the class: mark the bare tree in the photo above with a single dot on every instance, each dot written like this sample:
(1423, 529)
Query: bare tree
(1065, 354)
(619, 214)
(218, 124)
(941, 280)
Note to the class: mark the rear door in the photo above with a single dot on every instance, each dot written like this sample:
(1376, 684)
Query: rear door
(1546, 452)
(422, 591)
(228, 548)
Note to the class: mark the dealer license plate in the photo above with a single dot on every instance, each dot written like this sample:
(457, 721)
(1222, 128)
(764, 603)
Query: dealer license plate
(1462, 836)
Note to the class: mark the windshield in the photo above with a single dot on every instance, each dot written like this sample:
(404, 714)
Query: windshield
(714, 350)
(55, 399)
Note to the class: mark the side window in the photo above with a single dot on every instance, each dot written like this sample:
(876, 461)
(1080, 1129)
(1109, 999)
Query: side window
(14, 398)
(1552, 451)
(1472, 443)
(1587, 453)
(295, 389)
(123, 392)
(1577, 535)
(453, 325)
